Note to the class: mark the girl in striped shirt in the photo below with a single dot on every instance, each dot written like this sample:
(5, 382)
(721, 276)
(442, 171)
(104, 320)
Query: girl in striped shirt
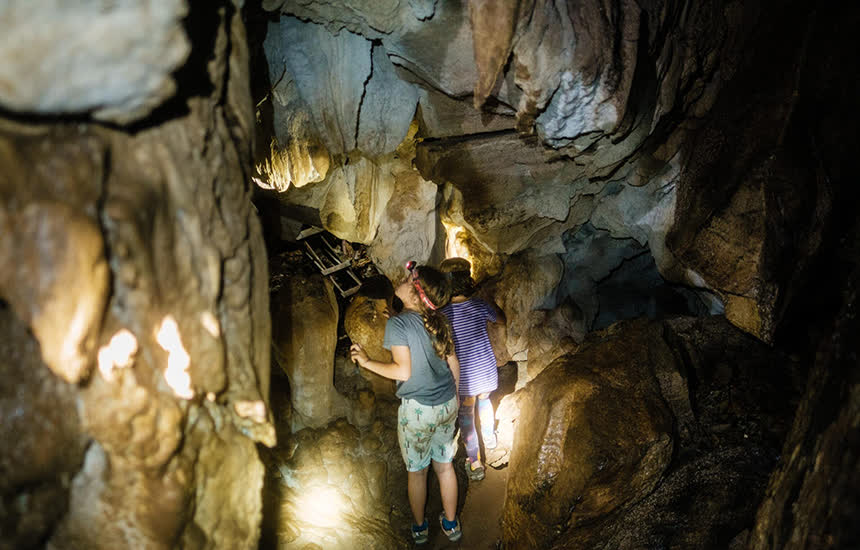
(478, 374)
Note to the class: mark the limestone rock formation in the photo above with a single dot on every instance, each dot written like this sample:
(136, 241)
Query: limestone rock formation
(409, 227)
(553, 333)
(594, 434)
(430, 41)
(329, 74)
(59, 244)
(135, 260)
(603, 85)
(115, 63)
(811, 497)
(720, 384)
(364, 323)
(304, 336)
(522, 287)
(460, 243)
(753, 237)
(497, 203)
(295, 155)
(336, 489)
(35, 470)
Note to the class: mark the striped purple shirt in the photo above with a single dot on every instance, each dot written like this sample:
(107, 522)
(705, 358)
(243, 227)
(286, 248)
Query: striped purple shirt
(478, 373)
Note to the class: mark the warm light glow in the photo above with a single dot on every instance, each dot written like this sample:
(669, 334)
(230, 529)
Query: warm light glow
(178, 360)
(210, 323)
(323, 506)
(255, 410)
(275, 170)
(117, 353)
(453, 247)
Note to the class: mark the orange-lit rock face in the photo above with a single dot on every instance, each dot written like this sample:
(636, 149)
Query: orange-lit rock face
(364, 323)
(52, 243)
(593, 434)
(337, 489)
(135, 261)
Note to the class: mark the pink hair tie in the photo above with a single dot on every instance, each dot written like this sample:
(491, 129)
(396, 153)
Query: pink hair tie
(413, 269)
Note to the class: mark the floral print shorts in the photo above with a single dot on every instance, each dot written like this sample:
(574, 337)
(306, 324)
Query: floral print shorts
(426, 432)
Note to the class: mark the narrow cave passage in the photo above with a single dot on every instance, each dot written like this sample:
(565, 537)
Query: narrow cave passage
(653, 198)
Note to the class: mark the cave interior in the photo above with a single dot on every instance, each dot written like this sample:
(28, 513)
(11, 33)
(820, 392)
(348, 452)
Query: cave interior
(204, 204)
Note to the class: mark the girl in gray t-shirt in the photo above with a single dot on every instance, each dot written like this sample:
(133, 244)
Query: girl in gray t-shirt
(427, 374)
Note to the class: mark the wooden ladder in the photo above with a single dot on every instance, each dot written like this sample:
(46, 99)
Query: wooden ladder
(328, 260)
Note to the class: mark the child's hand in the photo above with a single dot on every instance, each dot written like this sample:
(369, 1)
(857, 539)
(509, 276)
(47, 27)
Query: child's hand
(358, 355)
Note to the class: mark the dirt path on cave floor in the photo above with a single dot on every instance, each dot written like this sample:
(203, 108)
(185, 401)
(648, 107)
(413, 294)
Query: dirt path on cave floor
(480, 516)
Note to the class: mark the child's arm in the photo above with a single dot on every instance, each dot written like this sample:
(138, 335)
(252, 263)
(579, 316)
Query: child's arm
(454, 365)
(500, 315)
(399, 369)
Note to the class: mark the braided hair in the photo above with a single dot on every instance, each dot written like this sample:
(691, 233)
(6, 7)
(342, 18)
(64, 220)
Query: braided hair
(436, 288)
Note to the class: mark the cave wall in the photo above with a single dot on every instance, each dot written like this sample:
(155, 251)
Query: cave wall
(700, 145)
(584, 115)
(133, 281)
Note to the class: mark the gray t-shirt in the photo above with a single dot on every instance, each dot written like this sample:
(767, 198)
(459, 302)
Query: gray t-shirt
(431, 382)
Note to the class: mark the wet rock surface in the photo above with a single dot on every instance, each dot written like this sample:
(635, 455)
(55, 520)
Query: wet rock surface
(731, 400)
(594, 435)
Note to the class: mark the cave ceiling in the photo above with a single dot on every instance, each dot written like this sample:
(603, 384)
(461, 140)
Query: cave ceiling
(585, 155)
(536, 119)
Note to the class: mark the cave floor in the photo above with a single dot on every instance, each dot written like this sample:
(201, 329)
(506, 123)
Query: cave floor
(480, 516)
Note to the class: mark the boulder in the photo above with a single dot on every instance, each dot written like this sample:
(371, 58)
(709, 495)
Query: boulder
(335, 489)
(731, 423)
(593, 435)
(364, 322)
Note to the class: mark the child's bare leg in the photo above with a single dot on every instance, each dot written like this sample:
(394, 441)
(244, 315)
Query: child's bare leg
(488, 420)
(417, 489)
(466, 415)
(447, 488)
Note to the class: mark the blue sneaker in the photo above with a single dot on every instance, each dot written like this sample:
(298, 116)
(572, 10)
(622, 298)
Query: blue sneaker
(454, 533)
(420, 533)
